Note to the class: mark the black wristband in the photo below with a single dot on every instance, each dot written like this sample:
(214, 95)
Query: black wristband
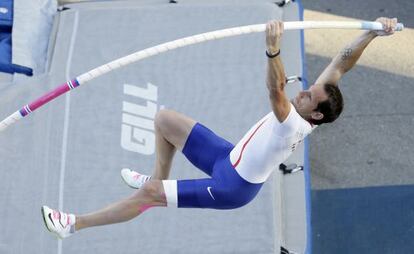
(272, 56)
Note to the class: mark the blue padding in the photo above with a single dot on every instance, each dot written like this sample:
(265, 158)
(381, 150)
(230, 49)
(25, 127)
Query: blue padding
(5, 48)
(6, 13)
(6, 24)
(368, 220)
(6, 57)
(15, 68)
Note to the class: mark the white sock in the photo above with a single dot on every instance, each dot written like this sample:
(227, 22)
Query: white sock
(72, 222)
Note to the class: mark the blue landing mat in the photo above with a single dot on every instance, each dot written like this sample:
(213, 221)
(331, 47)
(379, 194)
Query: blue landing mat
(363, 220)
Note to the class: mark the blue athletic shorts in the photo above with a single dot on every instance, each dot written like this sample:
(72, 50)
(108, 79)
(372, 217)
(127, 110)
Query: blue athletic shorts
(225, 189)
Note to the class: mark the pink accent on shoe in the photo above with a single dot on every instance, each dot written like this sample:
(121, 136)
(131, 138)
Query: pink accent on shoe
(68, 220)
(136, 177)
(56, 215)
(143, 208)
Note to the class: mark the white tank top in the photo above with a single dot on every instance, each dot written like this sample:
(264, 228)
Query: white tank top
(267, 144)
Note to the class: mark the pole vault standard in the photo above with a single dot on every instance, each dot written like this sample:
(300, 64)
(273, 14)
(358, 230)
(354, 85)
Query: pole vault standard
(152, 51)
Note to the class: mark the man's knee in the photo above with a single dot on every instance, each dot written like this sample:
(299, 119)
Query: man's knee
(173, 126)
(163, 119)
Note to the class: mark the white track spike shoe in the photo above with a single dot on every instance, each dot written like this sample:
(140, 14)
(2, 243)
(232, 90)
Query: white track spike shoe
(133, 179)
(61, 224)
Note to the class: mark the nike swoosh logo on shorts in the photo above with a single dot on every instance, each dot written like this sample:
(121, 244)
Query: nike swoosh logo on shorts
(209, 192)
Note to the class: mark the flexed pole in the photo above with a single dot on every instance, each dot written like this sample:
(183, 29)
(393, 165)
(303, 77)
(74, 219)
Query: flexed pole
(139, 55)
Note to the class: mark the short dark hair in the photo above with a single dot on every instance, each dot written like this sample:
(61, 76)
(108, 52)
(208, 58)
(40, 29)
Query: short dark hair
(330, 108)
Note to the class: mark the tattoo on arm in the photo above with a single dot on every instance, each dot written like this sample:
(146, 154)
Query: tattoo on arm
(346, 53)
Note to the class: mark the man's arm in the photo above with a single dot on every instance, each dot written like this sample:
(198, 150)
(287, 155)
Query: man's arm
(276, 78)
(349, 55)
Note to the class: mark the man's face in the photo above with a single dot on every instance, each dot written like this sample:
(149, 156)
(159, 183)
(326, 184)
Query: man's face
(307, 101)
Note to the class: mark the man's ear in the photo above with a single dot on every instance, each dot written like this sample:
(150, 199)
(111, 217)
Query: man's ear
(316, 115)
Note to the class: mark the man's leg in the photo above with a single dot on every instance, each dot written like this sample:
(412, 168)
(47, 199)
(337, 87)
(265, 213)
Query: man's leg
(171, 132)
(150, 195)
(200, 145)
